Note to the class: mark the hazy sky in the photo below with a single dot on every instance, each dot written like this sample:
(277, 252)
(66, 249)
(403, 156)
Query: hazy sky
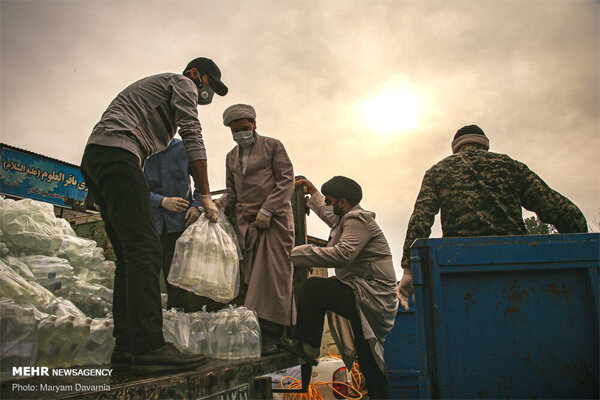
(374, 90)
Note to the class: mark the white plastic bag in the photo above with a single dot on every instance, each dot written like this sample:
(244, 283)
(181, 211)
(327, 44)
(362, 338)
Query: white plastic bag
(206, 260)
(250, 328)
(53, 273)
(60, 339)
(82, 253)
(19, 267)
(233, 333)
(230, 230)
(99, 345)
(18, 331)
(198, 333)
(176, 329)
(93, 300)
(31, 227)
(13, 286)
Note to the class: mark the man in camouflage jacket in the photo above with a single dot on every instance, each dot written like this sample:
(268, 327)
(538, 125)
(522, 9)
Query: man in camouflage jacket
(480, 193)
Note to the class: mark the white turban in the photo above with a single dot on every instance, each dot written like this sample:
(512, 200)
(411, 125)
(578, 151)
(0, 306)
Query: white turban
(238, 111)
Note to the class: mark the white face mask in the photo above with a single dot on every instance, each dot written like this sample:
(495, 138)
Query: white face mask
(243, 138)
(329, 214)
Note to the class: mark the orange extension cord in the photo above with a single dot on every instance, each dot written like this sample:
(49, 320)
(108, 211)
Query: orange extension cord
(313, 393)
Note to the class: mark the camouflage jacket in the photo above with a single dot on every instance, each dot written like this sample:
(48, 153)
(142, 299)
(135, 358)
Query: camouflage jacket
(481, 193)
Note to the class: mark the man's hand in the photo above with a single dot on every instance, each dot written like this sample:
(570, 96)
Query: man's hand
(405, 288)
(262, 220)
(191, 216)
(176, 204)
(220, 204)
(310, 188)
(210, 210)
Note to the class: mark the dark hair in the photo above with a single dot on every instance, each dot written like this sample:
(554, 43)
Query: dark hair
(343, 187)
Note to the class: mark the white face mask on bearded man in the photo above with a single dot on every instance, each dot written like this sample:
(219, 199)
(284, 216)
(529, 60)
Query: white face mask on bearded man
(330, 214)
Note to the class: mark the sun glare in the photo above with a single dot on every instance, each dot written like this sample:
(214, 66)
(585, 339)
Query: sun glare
(394, 110)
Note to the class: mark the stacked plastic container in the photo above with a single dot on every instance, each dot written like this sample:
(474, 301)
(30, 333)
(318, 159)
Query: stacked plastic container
(55, 291)
(230, 334)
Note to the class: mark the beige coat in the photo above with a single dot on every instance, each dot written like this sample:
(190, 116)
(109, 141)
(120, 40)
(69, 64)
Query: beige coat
(268, 183)
(362, 259)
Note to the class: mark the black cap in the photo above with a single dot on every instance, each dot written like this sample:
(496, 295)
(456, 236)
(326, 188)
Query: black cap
(341, 186)
(208, 67)
(469, 130)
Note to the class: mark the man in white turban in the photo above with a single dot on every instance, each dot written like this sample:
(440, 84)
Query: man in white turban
(260, 183)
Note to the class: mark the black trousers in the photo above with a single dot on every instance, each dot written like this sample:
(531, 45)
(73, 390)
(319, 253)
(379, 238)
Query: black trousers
(117, 183)
(319, 295)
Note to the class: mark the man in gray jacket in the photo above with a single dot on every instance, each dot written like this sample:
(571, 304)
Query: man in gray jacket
(139, 122)
(361, 298)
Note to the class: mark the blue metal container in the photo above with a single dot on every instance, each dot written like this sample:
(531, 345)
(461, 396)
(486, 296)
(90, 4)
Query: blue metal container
(401, 352)
(508, 317)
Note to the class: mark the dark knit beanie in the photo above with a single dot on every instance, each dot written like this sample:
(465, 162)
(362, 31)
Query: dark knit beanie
(469, 129)
(341, 186)
(470, 134)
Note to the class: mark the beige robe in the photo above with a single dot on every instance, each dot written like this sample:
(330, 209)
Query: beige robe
(362, 259)
(268, 184)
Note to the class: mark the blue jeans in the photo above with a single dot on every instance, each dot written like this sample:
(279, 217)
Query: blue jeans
(117, 183)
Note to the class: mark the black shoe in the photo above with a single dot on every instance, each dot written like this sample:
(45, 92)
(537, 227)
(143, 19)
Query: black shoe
(270, 349)
(120, 359)
(166, 359)
(302, 350)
